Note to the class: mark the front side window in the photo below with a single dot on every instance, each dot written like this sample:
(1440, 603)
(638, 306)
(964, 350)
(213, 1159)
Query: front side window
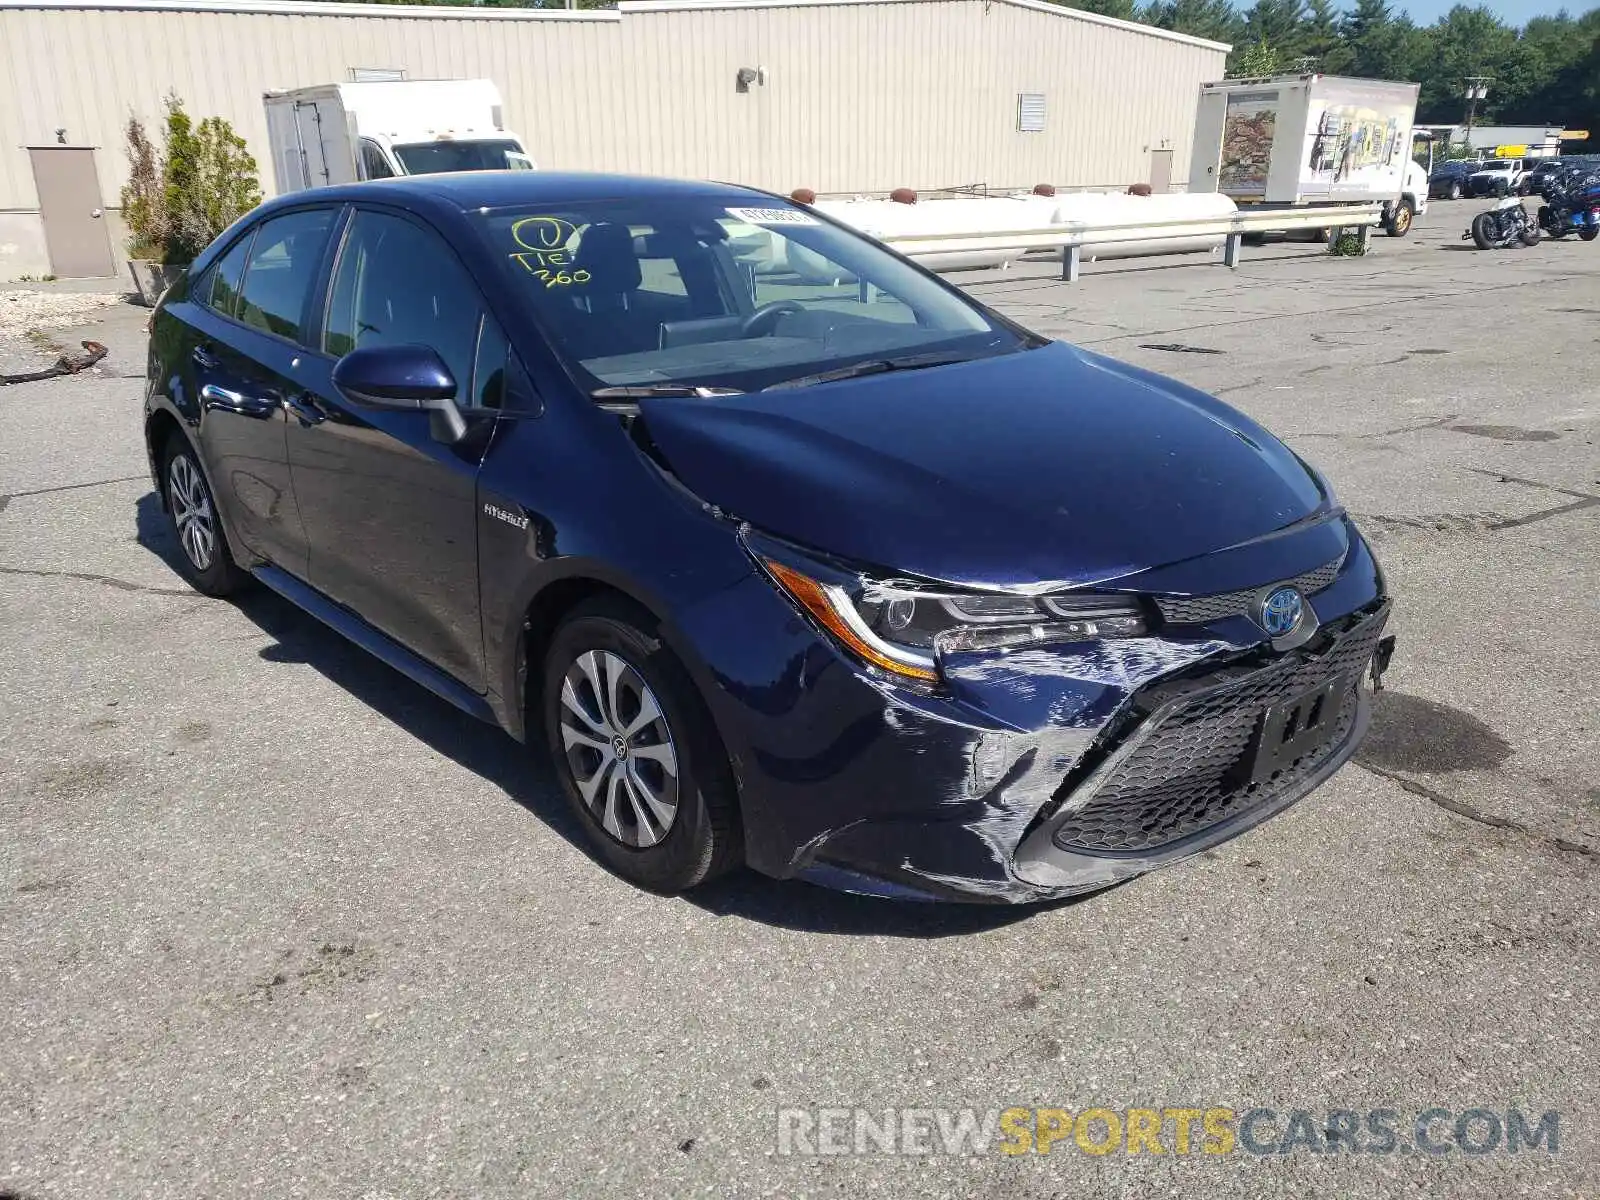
(398, 284)
(283, 265)
(687, 290)
(373, 164)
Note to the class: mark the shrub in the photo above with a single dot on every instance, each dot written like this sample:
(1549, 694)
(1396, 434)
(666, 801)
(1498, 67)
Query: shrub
(181, 197)
(1347, 245)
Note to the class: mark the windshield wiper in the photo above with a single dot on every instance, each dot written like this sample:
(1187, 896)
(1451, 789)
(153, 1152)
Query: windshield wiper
(873, 366)
(640, 391)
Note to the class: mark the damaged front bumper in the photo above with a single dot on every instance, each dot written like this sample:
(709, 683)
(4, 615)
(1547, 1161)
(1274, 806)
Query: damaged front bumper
(1040, 773)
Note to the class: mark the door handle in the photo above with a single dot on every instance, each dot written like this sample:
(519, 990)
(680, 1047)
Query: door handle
(260, 407)
(203, 357)
(304, 409)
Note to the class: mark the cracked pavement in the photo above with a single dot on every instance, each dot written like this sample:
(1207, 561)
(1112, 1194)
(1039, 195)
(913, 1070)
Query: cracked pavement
(276, 920)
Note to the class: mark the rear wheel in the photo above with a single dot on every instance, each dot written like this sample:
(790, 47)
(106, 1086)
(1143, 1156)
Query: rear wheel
(1530, 234)
(1588, 233)
(1484, 231)
(1399, 223)
(638, 758)
(203, 554)
(1455, 190)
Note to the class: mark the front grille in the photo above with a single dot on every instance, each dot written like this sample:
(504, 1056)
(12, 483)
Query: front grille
(1199, 610)
(1182, 771)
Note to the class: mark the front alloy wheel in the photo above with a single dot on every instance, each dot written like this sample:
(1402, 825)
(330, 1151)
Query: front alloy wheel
(619, 749)
(635, 750)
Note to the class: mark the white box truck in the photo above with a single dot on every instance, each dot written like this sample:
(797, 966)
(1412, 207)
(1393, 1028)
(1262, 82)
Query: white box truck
(342, 132)
(1310, 139)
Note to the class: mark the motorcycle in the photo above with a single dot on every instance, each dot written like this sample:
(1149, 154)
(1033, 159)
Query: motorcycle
(1506, 224)
(1572, 204)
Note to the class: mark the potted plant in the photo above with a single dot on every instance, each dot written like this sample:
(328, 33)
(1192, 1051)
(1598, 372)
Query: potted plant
(182, 195)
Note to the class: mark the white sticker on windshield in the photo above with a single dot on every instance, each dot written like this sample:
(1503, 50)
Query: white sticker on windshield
(772, 216)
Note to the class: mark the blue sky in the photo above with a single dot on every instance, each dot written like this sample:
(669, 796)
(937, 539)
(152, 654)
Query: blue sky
(1513, 12)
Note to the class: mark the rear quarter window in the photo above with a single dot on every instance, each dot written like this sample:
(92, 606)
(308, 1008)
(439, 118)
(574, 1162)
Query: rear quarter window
(218, 289)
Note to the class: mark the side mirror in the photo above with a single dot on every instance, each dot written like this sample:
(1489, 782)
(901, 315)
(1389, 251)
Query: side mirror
(402, 379)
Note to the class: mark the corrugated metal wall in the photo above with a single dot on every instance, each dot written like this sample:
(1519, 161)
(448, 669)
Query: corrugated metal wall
(858, 95)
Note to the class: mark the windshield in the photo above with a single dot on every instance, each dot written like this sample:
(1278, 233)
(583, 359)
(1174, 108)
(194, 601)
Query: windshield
(687, 291)
(1495, 164)
(432, 158)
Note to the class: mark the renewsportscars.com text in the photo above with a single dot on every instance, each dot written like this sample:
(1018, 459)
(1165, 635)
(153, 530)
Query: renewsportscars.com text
(1209, 1130)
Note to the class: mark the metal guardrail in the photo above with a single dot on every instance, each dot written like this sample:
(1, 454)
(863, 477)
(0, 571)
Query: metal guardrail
(1071, 237)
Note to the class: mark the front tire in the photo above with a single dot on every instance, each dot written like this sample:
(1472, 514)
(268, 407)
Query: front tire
(1588, 233)
(1455, 191)
(637, 755)
(203, 555)
(1399, 223)
(1483, 231)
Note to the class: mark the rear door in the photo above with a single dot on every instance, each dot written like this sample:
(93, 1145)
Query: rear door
(248, 318)
(390, 512)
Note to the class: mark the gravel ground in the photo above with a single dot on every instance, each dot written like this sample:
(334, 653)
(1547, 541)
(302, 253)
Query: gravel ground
(275, 921)
(31, 319)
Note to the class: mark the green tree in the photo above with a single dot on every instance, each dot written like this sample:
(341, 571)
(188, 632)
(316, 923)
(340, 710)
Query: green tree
(1319, 32)
(1255, 60)
(1217, 20)
(178, 199)
(1462, 43)
(1121, 9)
(1375, 43)
(1278, 24)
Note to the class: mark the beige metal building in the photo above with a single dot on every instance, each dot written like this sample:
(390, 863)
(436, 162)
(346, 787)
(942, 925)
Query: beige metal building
(851, 95)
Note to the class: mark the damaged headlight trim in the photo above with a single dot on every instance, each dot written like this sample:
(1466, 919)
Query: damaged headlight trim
(903, 627)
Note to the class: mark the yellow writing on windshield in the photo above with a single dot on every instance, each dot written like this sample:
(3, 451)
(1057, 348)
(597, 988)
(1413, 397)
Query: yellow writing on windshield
(546, 252)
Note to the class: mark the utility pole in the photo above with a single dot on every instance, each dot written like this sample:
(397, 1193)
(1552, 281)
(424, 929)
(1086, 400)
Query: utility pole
(1477, 89)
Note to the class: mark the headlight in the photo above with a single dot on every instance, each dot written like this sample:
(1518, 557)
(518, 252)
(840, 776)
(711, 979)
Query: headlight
(904, 629)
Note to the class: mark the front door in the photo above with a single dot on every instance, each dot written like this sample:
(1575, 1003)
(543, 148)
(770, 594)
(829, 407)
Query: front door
(390, 511)
(72, 211)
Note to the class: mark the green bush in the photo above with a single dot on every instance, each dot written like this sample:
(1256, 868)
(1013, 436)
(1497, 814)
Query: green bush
(180, 197)
(1348, 245)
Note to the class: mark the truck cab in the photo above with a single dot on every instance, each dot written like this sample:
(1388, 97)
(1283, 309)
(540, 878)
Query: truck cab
(347, 132)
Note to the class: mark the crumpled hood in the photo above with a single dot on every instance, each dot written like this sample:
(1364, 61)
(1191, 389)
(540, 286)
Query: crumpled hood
(1048, 466)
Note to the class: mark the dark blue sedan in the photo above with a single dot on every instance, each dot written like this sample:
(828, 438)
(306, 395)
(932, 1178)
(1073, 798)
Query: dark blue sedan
(791, 554)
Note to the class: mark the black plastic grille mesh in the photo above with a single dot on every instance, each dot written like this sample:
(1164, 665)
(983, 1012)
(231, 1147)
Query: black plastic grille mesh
(1198, 610)
(1183, 773)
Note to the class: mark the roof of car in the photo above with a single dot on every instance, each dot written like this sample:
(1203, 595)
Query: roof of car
(497, 189)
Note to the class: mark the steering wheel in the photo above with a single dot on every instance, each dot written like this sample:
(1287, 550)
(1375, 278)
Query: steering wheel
(765, 319)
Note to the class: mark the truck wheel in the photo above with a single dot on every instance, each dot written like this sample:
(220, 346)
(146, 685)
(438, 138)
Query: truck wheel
(1455, 189)
(1399, 223)
(1483, 228)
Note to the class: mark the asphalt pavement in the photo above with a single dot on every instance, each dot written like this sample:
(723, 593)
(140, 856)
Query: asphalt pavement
(274, 921)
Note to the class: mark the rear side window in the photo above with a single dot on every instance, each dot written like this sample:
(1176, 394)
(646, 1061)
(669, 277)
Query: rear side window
(219, 291)
(283, 266)
(397, 284)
